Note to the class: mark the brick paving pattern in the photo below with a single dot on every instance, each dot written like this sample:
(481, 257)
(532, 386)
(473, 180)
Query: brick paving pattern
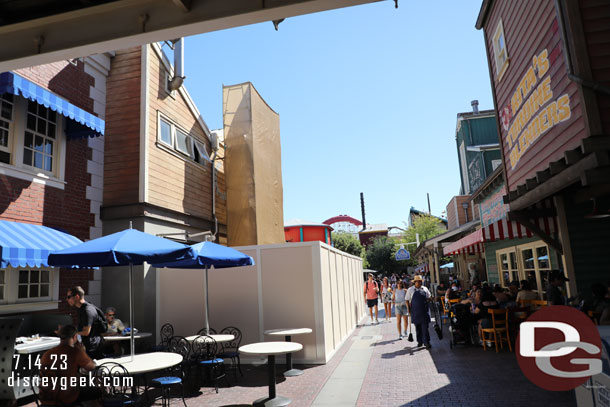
(398, 375)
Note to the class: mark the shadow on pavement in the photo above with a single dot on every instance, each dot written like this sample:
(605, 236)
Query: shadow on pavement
(478, 378)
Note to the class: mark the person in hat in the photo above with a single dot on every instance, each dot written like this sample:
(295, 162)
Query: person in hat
(554, 295)
(417, 298)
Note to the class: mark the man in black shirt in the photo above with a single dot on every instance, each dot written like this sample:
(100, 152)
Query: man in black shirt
(553, 294)
(90, 322)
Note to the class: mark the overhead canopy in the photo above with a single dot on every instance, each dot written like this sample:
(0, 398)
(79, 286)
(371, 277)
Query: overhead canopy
(23, 244)
(447, 266)
(211, 254)
(129, 246)
(499, 230)
(17, 85)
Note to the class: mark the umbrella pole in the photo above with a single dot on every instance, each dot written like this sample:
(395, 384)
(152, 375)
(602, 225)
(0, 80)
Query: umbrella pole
(207, 304)
(131, 339)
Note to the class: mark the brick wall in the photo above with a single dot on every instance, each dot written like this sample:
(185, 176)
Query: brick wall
(67, 209)
(64, 79)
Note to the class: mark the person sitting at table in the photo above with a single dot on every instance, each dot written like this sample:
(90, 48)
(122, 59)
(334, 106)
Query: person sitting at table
(526, 293)
(115, 327)
(485, 300)
(501, 297)
(65, 360)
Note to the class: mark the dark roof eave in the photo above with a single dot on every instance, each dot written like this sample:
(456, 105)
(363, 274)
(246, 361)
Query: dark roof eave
(483, 14)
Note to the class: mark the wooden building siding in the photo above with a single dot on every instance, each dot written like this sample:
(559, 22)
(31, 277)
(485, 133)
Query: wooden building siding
(122, 144)
(529, 28)
(589, 239)
(175, 181)
(596, 24)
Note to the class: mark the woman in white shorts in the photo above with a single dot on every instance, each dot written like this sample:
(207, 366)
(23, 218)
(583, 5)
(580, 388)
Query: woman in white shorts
(401, 310)
(386, 298)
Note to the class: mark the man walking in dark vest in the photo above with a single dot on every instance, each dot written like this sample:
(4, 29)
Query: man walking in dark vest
(417, 298)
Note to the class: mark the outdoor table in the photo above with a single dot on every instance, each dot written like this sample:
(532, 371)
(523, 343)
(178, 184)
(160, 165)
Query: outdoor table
(33, 345)
(288, 333)
(271, 349)
(145, 362)
(218, 338)
(114, 338)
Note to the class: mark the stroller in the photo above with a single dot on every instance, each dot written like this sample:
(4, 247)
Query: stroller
(460, 325)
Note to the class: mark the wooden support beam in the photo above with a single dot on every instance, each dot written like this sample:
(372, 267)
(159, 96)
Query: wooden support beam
(532, 214)
(542, 176)
(556, 183)
(596, 176)
(531, 183)
(557, 166)
(184, 5)
(521, 189)
(573, 156)
(542, 235)
(587, 193)
(595, 143)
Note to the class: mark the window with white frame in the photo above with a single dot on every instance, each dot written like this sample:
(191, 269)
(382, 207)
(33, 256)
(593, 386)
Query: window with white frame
(6, 121)
(34, 284)
(2, 285)
(500, 52)
(30, 141)
(28, 288)
(39, 140)
(170, 135)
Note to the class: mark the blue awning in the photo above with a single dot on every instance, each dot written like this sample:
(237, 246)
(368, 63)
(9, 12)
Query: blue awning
(16, 85)
(23, 244)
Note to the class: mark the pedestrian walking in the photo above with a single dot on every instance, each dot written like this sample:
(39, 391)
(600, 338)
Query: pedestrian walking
(400, 307)
(417, 299)
(386, 298)
(371, 290)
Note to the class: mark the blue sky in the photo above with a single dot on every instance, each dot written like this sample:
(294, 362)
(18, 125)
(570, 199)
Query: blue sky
(367, 98)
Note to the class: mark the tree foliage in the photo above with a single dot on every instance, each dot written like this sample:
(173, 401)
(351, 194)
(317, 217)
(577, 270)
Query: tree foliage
(380, 255)
(347, 243)
(426, 226)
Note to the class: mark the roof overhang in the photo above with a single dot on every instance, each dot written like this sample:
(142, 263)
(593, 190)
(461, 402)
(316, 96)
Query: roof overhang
(35, 33)
(451, 235)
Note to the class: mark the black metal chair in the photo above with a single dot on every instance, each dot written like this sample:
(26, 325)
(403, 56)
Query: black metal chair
(202, 331)
(230, 349)
(174, 375)
(205, 350)
(116, 390)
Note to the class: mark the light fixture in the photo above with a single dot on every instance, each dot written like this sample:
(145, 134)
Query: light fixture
(595, 214)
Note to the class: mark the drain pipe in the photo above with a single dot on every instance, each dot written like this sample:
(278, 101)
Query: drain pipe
(214, 187)
(176, 82)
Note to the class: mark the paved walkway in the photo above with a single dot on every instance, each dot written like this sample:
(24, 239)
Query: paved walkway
(374, 368)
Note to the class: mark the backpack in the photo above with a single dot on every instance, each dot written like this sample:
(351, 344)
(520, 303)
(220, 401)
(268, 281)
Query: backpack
(101, 322)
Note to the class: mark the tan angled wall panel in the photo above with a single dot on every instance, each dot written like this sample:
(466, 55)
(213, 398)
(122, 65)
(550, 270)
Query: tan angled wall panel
(253, 172)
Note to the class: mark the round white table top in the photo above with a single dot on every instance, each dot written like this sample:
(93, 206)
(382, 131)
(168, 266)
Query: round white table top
(145, 362)
(217, 338)
(271, 348)
(139, 335)
(288, 332)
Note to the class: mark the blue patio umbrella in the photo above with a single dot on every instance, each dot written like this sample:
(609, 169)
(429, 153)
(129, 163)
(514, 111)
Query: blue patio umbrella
(127, 247)
(208, 254)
